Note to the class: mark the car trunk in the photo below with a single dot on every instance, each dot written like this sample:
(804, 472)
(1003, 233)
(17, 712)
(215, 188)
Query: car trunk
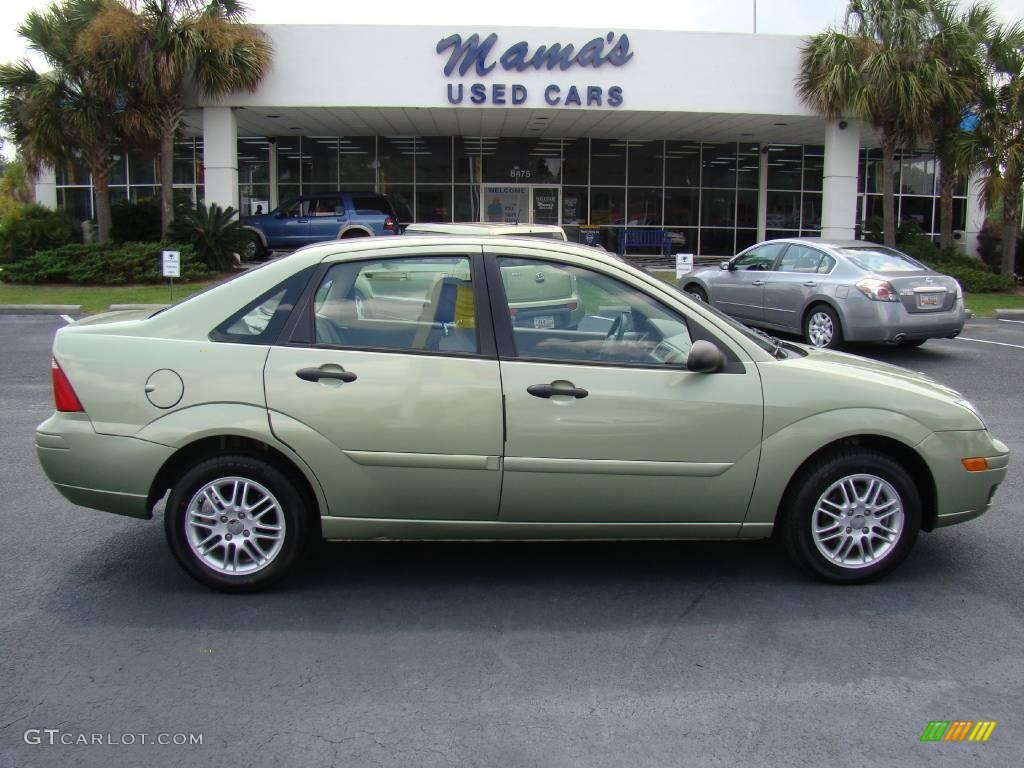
(923, 292)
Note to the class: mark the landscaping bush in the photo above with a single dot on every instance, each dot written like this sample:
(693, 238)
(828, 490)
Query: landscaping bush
(135, 222)
(104, 264)
(215, 232)
(973, 274)
(31, 228)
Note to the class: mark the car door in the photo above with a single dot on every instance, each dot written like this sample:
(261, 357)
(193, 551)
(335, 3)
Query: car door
(397, 417)
(290, 225)
(797, 276)
(604, 424)
(739, 290)
(327, 215)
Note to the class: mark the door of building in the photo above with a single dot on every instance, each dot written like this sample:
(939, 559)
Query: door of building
(521, 203)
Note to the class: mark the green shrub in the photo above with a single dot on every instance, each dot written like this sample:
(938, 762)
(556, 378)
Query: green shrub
(31, 228)
(104, 264)
(215, 232)
(973, 274)
(135, 222)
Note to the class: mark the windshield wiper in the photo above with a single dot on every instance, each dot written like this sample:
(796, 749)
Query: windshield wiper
(779, 352)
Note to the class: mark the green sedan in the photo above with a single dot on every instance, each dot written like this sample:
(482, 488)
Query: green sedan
(271, 410)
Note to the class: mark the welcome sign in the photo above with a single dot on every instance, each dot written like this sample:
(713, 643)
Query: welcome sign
(482, 56)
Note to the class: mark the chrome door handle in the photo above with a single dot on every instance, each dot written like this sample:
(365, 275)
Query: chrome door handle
(758, 282)
(315, 374)
(547, 390)
(810, 283)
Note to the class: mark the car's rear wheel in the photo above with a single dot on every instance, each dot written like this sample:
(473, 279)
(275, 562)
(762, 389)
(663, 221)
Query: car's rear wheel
(852, 516)
(698, 293)
(235, 523)
(822, 328)
(252, 247)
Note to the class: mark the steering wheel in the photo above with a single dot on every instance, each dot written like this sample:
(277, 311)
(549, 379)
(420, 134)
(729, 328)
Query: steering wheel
(618, 328)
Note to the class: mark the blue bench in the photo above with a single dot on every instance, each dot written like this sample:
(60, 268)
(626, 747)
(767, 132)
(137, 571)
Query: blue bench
(645, 237)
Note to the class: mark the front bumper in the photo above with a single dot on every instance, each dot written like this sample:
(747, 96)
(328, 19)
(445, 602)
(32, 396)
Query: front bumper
(961, 495)
(105, 472)
(884, 321)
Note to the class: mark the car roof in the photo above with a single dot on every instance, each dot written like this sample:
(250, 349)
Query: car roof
(480, 228)
(825, 242)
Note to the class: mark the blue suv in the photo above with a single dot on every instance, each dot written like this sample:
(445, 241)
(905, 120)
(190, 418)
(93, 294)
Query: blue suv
(316, 218)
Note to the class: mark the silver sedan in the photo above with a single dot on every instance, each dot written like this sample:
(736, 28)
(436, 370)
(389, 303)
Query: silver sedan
(831, 291)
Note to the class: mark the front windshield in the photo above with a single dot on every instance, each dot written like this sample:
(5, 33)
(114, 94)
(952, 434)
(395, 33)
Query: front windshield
(878, 258)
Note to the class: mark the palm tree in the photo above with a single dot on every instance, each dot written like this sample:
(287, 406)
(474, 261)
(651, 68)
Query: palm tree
(167, 45)
(877, 68)
(959, 40)
(996, 145)
(72, 108)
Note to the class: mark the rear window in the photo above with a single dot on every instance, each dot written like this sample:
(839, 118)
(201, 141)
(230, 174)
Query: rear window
(878, 258)
(372, 205)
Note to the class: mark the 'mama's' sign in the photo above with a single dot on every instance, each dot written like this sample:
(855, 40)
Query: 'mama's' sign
(480, 58)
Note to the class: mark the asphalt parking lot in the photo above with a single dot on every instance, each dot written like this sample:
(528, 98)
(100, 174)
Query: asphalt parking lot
(603, 654)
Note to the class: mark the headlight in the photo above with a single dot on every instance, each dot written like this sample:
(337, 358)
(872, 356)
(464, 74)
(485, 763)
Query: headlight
(878, 290)
(971, 407)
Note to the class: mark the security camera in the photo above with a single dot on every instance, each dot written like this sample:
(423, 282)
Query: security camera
(842, 125)
(764, 149)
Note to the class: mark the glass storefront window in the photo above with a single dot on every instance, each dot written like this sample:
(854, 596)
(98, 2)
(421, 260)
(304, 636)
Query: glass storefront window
(607, 162)
(746, 208)
(119, 170)
(574, 205)
(717, 242)
(74, 172)
(682, 164)
(434, 160)
(645, 163)
(782, 210)
(470, 152)
(253, 199)
(811, 216)
(357, 160)
(467, 203)
(918, 210)
(144, 193)
(401, 197)
(814, 167)
(718, 208)
(785, 169)
(396, 155)
(682, 207)
(607, 206)
(319, 163)
(142, 168)
(523, 161)
(917, 174)
(748, 167)
(744, 239)
(718, 165)
(433, 203)
(289, 161)
(575, 161)
(644, 208)
(184, 162)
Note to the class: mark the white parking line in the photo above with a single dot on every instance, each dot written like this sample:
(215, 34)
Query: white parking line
(999, 343)
(67, 319)
(1006, 320)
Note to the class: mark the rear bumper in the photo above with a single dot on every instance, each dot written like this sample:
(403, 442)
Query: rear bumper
(961, 495)
(882, 321)
(105, 472)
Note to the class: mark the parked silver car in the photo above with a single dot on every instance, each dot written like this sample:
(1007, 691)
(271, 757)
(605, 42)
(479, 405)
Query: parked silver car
(831, 291)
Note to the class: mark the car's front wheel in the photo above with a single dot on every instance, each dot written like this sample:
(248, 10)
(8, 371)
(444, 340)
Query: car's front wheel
(698, 293)
(252, 247)
(235, 523)
(852, 516)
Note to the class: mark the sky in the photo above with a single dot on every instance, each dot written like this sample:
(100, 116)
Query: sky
(773, 16)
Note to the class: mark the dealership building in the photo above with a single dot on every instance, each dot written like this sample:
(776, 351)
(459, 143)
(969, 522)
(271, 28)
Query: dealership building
(698, 134)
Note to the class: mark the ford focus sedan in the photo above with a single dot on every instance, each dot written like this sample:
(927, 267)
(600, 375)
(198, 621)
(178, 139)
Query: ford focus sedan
(831, 291)
(272, 410)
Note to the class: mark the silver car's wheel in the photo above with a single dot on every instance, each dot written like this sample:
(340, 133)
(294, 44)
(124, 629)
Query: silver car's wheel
(821, 328)
(237, 523)
(235, 526)
(857, 520)
(851, 514)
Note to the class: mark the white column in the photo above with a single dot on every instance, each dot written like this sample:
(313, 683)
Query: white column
(975, 213)
(220, 156)
(839, 203)
(46, 187)
(762, 191)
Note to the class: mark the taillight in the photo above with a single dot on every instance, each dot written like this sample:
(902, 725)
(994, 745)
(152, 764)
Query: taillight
(64, 397)
(512, 311)
(572, 305)
(878, 290)
(389, 224)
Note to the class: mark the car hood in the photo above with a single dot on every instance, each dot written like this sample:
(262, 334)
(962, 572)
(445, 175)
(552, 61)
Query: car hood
(844, 362)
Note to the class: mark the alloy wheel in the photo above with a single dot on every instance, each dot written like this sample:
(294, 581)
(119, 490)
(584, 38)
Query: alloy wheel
(857, 521)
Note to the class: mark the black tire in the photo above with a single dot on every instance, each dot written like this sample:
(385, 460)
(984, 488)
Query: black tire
(797, 515)
(354, 233)
(836, 339)
(292, 510)
(698, 293)
(251, 247)
(912, 342)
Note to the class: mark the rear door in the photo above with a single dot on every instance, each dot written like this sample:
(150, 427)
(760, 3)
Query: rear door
(739, 291)
(800, 274)
(398, 417)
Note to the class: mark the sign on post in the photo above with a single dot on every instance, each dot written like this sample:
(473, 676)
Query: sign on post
(172, 263)
(684, 264)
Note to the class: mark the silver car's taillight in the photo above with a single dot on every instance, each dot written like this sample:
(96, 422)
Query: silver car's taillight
(877, 290)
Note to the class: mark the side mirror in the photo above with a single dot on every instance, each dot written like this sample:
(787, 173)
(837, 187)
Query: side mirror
(725, 265)
(279, 215)
(704, 357)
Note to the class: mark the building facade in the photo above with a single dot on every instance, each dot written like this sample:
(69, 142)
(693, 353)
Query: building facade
(700, 134)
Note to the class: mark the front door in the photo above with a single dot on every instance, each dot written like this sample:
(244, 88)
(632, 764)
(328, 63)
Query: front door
(506, 204)
(395, 400)
(545, 205)
(605, 424)
(739, 291)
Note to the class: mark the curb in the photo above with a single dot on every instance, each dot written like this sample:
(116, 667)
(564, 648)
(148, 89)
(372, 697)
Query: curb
(129, 307)
(39, 309)
(1015, 314)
